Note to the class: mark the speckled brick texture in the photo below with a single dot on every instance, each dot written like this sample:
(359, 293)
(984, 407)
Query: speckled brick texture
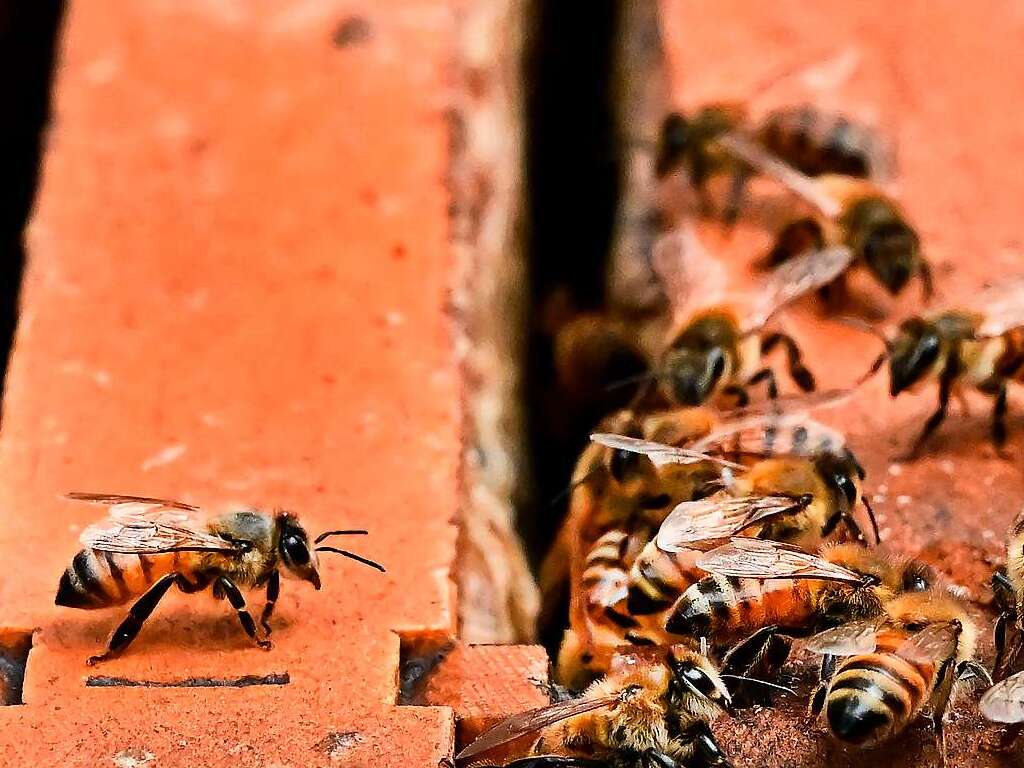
(940, 79)
(236, 293)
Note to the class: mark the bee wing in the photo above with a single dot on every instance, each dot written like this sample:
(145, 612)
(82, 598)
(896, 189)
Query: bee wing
(1002, 306)
(691, 277)
(534, 720)
(1004, 701)
(115, 500)
(148, 526)
(850, 639)
(764, 559)
(934, 642)
(659, 453)
(766, 163)
(767, 434)
(718, 518)
(800, 275)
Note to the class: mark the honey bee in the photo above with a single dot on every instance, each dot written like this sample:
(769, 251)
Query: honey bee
(978, 346)
(918, 653)
(717, 346)
(805, 472)
(653, 709)
(813, 141)
(1008, 589)
(758, 583)
(619, 499)
(145, 546)
(855, 222)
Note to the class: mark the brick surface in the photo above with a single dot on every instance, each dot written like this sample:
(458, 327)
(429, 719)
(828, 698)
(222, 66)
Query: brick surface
(236, 293)
(935, 77)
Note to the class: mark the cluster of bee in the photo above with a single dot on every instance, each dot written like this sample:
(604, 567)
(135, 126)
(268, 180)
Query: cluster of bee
(707, 537)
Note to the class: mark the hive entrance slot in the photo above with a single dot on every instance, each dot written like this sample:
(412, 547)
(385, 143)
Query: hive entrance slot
(28, 38)
(15, 645)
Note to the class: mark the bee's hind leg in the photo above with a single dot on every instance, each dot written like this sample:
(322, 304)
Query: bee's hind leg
(766, 375)
(238, 603)
(999, 419)
(273, 590)
(794, 362)
(131, 624)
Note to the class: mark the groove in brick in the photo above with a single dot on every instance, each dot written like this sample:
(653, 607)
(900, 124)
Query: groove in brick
(104, 681)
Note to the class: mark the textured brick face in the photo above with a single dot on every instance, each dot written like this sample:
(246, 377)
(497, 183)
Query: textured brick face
(236, 292)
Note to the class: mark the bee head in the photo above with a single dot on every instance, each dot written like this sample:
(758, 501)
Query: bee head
(297, 556)
(892, 253)
(914, 353)
(693, 674)
(628, 467)
(842, 474)
(694, 374)
(673, 143)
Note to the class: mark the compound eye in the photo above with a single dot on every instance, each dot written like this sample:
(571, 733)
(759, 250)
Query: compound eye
(845, 484)
(623, 463)
(697, 681)
(717, 364)
(294, 550)
(918, 580)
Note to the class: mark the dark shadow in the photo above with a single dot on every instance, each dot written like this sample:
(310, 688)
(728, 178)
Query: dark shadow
(28, 41)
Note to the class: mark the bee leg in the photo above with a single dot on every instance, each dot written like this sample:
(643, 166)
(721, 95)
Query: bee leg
(699, 172)
(653, 758)
(238, 603)
(969, 668)
(742, 398)
(735, 200)
(999, 419)
(924, 270)
(825, 673)
(794, 364)
(273, 590)
(553, 761)
(757, 657)
(768, 375)
(949, 374)
(999, 637)
(795, 238)
(132, 623)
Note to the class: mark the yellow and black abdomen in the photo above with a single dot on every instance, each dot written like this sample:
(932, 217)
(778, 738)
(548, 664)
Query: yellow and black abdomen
(1010, 363)
(727, 609)
(99, 579)
(873, 696)
(817, 143)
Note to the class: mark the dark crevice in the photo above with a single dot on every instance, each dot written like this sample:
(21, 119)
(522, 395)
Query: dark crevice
(100, 681)
(15, 645)
(28, 43)
(419, 657)
(573, 168)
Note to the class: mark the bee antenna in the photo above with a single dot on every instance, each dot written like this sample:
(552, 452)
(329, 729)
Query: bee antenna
(326, 534)
(785, 688)
(353, 556)
(636, 379)
(871, 517)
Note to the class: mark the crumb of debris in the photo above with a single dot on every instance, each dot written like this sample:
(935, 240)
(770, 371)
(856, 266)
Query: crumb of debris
(132, 758)
(902, 501)
(335, 744)
(350, 31)
(895, 470)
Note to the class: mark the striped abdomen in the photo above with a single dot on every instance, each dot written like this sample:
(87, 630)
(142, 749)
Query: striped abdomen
(872, 697)
(817, 143)
(97, 579)
(657, 578)
(1010, 364)
(726, 609)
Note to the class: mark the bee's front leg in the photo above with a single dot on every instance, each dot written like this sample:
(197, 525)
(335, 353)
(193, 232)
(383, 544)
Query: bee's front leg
(238, 603)
(132, 623)
(273, 590)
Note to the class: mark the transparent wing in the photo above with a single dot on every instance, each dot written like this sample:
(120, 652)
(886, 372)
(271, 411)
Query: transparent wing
(528, 722)
(1002, 306)
(142, 525)
(1004, 701)
(850, 639)
(796, 277)
(691, 277)
(720, 517)
(762, 559)
(934, 642)
(768, 164)
(659, 453)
